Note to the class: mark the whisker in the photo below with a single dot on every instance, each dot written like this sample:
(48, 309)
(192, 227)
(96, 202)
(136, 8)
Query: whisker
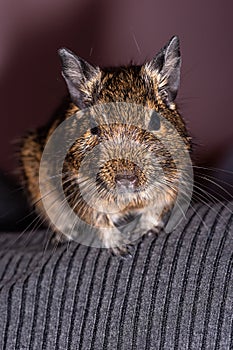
(215, 178)
(135, 41)
(213, 169)
(216, 184)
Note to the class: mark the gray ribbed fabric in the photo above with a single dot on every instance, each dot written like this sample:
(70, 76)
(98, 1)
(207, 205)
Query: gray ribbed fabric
(174, 293)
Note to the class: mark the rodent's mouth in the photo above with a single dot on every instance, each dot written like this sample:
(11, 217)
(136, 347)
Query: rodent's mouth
(119, 192)
(124, 190)
(121, 184)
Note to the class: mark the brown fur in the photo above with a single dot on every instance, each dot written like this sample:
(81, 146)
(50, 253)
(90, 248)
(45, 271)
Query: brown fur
(134, 84)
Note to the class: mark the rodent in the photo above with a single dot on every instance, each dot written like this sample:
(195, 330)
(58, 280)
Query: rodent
(153, 85)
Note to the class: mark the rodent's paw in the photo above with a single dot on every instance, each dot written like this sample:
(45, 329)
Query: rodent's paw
(117, 244)
(58, 238)
(154, 231)
(123, 251)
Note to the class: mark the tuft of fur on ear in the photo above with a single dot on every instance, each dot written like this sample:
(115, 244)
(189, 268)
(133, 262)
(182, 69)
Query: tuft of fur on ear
(165, 70)
(81, 78)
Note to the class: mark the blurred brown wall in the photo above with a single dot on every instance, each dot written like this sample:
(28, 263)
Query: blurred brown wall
(112, 33)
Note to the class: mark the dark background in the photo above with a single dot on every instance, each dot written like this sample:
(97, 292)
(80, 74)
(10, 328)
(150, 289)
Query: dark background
(111, 33)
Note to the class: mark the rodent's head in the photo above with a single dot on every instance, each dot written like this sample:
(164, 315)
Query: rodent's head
(125, 162)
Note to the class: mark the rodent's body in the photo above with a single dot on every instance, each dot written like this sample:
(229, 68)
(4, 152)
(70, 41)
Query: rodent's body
(154, 86)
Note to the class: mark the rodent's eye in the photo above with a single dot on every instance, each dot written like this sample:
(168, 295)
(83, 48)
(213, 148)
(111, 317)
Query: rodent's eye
(154, 123)
(95, 131)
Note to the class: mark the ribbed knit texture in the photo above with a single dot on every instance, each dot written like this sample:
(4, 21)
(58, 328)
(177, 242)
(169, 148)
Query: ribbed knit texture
(175, 292)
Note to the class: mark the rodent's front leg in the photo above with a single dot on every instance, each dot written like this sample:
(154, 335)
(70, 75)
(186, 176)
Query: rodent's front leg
(113, 238)
(128, 228)
(115, 241)
(151, 221)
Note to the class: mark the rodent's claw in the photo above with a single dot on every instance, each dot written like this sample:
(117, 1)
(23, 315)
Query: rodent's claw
(123, 251)
(58, 239)
(154, 231)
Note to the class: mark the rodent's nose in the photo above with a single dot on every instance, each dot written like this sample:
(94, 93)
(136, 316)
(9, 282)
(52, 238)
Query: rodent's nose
(126, 181)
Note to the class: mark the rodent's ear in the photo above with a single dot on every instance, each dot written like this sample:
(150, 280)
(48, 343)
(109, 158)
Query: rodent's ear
(165, 68)
(81, 78)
